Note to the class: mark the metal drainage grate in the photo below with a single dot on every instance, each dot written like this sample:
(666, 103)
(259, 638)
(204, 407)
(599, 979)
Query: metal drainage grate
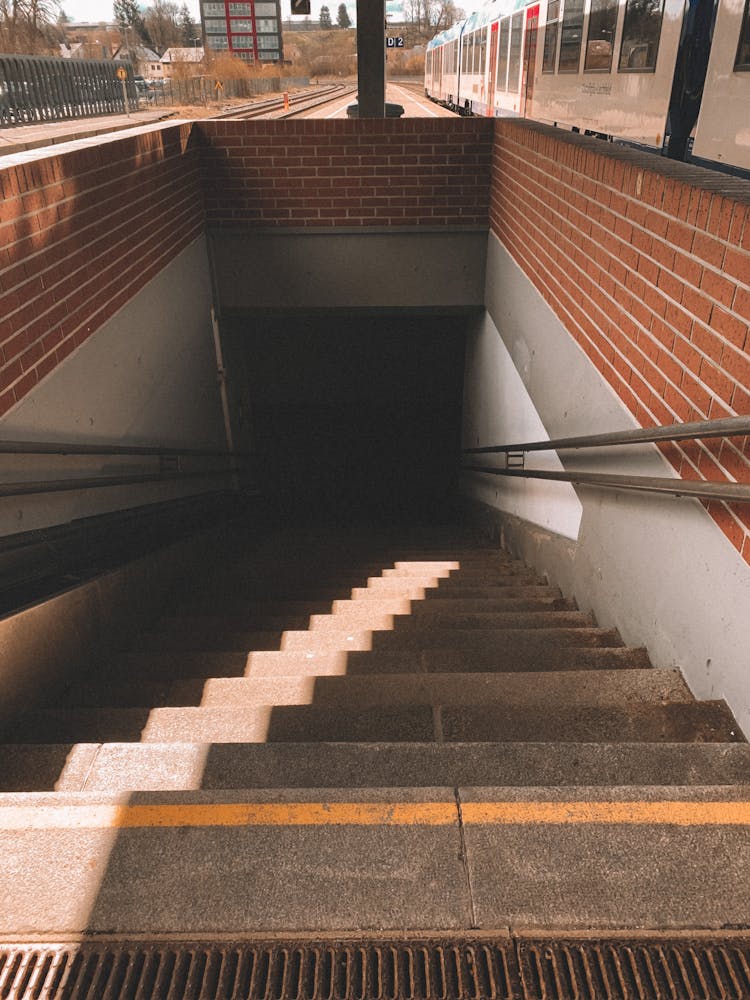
(466, 969)
(639, 970)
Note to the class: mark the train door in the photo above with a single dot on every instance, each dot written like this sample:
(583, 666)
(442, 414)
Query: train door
(529, 59)
(493, 70)
(690, 75)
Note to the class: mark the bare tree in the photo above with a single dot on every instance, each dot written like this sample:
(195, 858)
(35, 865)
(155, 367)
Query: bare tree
(28, 25)
(162, 21)
(426, 18)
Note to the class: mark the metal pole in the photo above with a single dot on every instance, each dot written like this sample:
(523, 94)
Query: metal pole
(371, 58)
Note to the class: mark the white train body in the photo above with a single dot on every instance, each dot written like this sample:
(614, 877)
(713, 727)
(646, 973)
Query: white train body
(634, 70)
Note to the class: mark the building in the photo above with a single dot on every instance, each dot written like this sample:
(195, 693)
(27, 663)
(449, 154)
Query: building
(250, 30)
(178, 57)
(145, 61)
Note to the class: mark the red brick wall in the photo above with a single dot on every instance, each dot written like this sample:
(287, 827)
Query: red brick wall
(80, 233)
(647, 264)
(398, 172)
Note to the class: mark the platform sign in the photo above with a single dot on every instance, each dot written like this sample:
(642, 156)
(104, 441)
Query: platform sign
(394, 42)
(122, 75)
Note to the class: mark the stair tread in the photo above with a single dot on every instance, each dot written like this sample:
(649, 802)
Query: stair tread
(539, 634)
(707, 721)
(569, 687)
(167, 665)
(114, 767)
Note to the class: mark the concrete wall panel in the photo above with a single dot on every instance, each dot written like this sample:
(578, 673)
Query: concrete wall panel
(659, 569)
(147, 376)
(379, 270)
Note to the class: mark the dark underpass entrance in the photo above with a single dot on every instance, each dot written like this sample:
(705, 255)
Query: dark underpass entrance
(352, 413)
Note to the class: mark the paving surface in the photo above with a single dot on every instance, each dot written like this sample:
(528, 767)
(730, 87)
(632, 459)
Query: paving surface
(25, 137)
(442, 743)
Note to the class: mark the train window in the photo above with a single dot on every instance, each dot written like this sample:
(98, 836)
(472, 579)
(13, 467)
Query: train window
(600, 42)
(550, 37)
(514, 59)
(502, 54)
(640, 36)
(743, 49)
(571, 37)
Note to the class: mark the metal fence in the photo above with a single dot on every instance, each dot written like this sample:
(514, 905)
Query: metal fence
(50, 89)
(204, 89)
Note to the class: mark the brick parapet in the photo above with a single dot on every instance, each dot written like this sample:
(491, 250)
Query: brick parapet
(647, 264)
(81, 232)
(413, 172)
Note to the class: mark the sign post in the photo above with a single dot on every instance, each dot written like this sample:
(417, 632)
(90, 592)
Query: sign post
(122, 76)
(370, 58)
(218, 87)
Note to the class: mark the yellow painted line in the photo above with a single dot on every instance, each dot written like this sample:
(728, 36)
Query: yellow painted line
(229, 814)
(631, 813)
(120, 817)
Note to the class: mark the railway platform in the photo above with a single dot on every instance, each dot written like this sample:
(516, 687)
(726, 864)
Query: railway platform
(20, 138)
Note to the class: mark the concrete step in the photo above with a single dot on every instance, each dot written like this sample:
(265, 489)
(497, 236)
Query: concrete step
(367, 615)
(205, 599)
(124, 767)
(546, 640)
(374, 859)
(449, 588)
(168, 666)
(566, 688)
(295, 617)
(506, 601)
(701, 722)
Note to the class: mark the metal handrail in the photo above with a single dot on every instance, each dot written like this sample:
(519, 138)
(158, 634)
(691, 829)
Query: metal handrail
(23, 488)
(28, 487)
(697, 430)
(727, 427)
(701, 488)
(71, 448)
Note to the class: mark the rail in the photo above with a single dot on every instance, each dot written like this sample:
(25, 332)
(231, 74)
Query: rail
(694, 431)
(169, 461)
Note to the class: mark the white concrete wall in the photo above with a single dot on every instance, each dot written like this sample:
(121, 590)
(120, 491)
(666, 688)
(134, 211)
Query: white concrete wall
(317, 270)
(657, 568)
(499, 410)
(148, 376)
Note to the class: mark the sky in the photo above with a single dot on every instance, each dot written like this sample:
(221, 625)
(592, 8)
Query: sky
(101, 10)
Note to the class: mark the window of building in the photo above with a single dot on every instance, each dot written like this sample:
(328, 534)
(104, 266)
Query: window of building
(218, 42)
(502, 54)
(550, 37)
(244, 42)
(240, 9)
(213, 10)
(267, 24)
(269, 56)
(571, 37)
(247, 56)
(514, 58)
(216, 26)
(241, 24)
(742, 62)
(640, 36)
(268, 42)
(266, 10)
(600, 41)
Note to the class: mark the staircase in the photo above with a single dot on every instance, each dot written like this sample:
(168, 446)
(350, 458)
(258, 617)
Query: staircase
(357, 731)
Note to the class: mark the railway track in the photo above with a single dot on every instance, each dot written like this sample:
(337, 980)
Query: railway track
(298, 103)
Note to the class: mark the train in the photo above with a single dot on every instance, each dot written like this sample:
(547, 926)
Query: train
(671, 76)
